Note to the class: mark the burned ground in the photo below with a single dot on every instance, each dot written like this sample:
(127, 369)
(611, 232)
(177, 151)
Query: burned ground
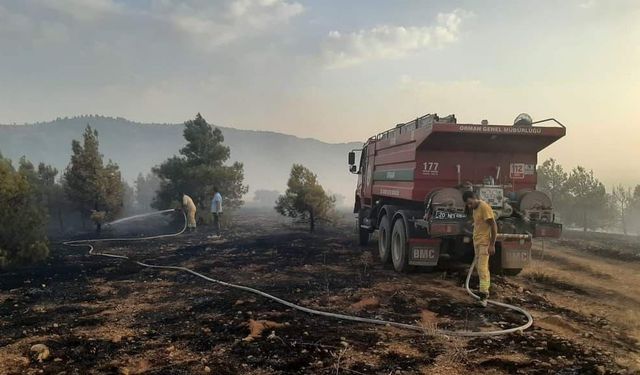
(100, 315)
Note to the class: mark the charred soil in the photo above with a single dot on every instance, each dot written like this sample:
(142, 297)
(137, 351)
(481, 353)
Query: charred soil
(100, 315)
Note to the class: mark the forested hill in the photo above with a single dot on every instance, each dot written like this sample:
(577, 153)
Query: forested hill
(136, 147)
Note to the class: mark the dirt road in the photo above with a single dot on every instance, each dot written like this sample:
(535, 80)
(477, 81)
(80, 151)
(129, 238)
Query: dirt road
(98, 315)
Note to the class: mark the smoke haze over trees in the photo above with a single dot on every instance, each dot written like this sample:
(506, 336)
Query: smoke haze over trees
(146, 188)
(264, 198)
(581, 200)
(136, 148)
(622, 200)
(30, 197)
(634, 210)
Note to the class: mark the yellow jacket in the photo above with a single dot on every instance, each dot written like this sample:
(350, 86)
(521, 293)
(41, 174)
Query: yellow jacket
(187, 203)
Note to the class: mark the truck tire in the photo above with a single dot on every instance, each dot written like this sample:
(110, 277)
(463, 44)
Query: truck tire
(399, 247)
(384, 240)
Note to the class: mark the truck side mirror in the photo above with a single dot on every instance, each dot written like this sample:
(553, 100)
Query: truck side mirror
(353, 169)
(352, 158)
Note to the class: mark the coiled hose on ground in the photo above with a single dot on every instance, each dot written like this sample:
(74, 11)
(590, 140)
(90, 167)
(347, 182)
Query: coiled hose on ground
(327, 314)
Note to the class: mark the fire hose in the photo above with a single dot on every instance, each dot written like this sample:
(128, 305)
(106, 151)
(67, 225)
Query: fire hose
(412, 327)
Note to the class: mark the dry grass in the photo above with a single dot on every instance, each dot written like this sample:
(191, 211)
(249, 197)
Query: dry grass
(453, 360)
(366, 260)
(540, 273)
(592, 286)
(455, 352)
(256, 327)
(429, 322)
(367, 303)
(131, 366)
(113, 333)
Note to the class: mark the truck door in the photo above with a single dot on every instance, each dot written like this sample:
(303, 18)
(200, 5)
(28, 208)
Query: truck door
(367, 173)
(361, 170)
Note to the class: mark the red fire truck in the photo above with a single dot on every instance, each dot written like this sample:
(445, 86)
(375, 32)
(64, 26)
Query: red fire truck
(411, 179)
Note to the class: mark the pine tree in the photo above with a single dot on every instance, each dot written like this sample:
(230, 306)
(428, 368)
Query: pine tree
(47, 192)
(305, 198)
(89, 184)
(590, 206)
(552, 179)
(111, 193)
(200, 167)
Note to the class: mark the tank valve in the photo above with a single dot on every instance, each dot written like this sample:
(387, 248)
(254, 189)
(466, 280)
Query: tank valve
(507, 210)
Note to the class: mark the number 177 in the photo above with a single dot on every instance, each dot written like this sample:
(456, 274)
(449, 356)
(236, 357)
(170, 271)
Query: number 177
(431, 166)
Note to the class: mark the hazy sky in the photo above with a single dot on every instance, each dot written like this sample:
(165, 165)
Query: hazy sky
(335, 70)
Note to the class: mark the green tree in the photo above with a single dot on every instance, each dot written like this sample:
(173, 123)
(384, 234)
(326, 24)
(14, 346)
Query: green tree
(89, 184)
(111, 194)
(552, 179)
(305, 198)
(589, 205)
(26, 168)
(22, 219)
(199, 168)
(47, 192)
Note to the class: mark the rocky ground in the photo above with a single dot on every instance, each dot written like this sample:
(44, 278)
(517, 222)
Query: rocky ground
(89, 314)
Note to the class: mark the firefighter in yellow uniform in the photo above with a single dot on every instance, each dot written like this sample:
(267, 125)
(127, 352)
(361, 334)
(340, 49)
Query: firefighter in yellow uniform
(190, 210)
(485, 232)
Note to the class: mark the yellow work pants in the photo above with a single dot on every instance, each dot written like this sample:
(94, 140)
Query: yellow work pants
(191, 218)
(482, 266)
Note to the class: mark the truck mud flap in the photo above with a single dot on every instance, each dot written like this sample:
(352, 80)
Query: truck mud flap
(424, 251)
(547, 230)
(516, 253)
(445, 228)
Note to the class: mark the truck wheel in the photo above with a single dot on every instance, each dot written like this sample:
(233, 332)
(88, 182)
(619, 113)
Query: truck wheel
(399, 248)
(363, 234)
(384, 240)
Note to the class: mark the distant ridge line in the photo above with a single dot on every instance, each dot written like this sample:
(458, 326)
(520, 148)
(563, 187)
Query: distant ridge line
(128, 122)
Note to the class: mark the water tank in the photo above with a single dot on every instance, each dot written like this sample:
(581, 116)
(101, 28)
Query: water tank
(534, 200)
(446, 197)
